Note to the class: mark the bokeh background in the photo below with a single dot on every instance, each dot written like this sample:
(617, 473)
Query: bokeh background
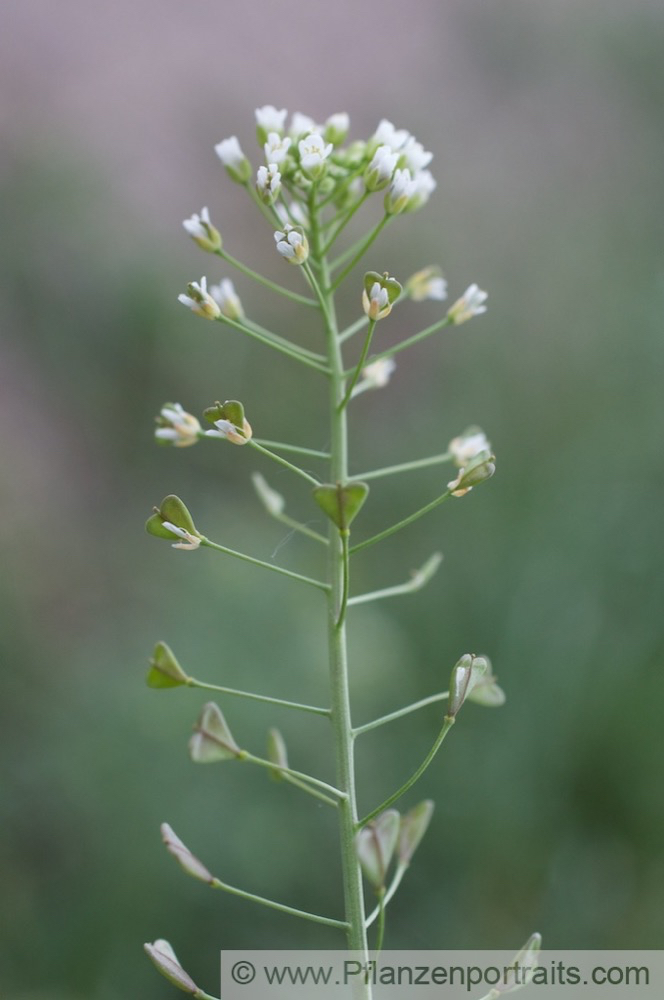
(546, 124)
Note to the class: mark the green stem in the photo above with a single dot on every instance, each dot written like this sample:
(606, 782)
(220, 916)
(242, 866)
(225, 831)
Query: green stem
(337, 644)
(319, 584)
(276, 343)
(415, 339)
(402, 524)
(346, 579)
(419, 579)
(235, 692)
(447, 725)
(354, 328)
(286, 292)
(314, 355)
(362, 250)
(363, 357)
(314, 917)
(281, 446)
(302, 785)
(344, 222)
(290, 522)
(267, 211)
(380, 933)
(400, 712)
(316, 782)
(282, 461)
(419, 463)
(394, 885)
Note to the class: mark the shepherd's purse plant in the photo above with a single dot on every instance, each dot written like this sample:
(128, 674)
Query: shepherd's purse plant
(307, 191)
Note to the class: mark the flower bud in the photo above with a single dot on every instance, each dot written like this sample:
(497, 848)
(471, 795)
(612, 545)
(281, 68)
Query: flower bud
(386, 134)
(166, 961)
(400, 193)
(412, 828)
(226, 298)
(229, 421)
(302, 125)
(380, 291)
(478, 469)
(379, 172)
(268, 119)
(313, 155)
(268, 183)
(176, 427)
(415, 156)
(336, 128)
(276, 148)
(470, 304)
(292, 244)
(237, 165)
(212, 740)
(276, 753)
(375, 844)
(427, 284)
(467, 672)
(425, 184)
(165, 671)
(191, 865)
(203, 232)
(199, 300)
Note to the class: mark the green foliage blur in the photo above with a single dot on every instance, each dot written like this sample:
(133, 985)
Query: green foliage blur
(549, 813)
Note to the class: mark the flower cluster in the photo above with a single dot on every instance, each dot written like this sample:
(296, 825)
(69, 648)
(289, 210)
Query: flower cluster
(302, 152)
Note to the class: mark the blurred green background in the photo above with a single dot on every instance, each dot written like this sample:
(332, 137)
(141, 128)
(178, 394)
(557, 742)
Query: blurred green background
(546, 124)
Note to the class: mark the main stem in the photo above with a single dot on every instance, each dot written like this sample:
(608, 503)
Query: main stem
(338, 657)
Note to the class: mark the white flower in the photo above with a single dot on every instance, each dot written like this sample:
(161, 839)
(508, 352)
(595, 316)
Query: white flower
(189, 541)
(381, 168)
(292, 245)
(268, 182)
(276, 148)
(468, 446)
(230, 152)
(229, 432)
(301, 123)
(269, 119)
(176, 426)
(199, 300)
(375, 375)
(425, 183)
(376, 303)
(470, 304)
(232, 157)
(313, 153)
(202, 231)
(417, 157)
(379, 372)
(427, 284)
(386, 134)
(402, 189)
(336, 127)
(226, 298)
